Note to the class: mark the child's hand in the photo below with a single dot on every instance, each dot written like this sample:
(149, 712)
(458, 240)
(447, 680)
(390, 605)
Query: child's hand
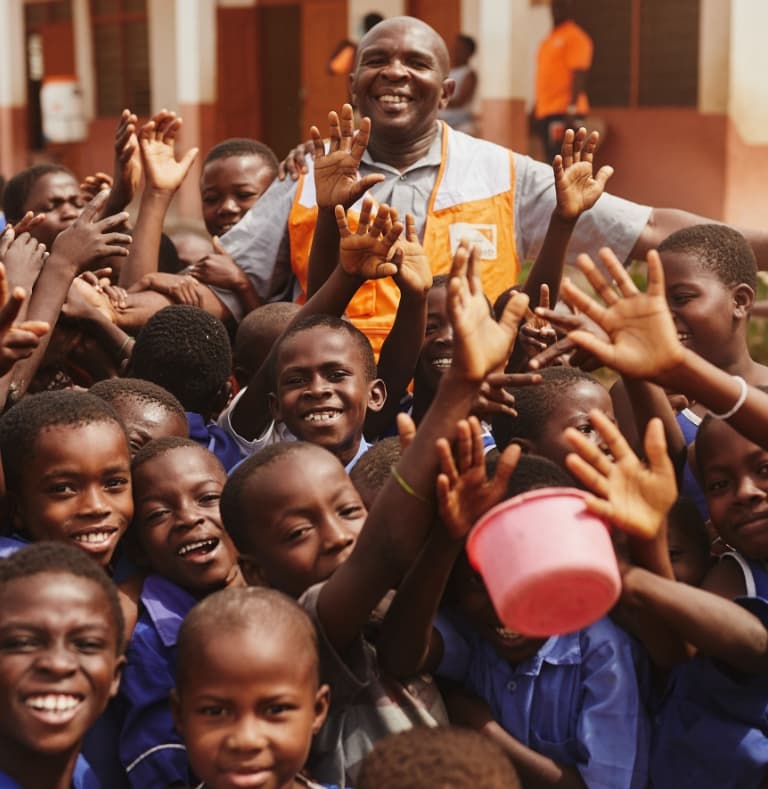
(368, 254)
(89, 238)
(93, 184)
(633, 496)
(86, 299)
(26, 223)
(464, 492)
(218, 269)
(157, 140)
(576, 188)
(493, 397)
(480, 345)
(23, 258)
(567, 322)
(336, 176)
(128, 166)
(415, 274)
(179, 288)
(406, 430)
(17, 340)
(295, 163)
(642, 339)
(537, 333)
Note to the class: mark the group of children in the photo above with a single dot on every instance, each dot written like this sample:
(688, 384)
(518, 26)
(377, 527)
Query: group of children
(237, 559)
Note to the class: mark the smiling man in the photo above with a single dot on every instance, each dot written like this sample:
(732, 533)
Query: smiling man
(456, 186)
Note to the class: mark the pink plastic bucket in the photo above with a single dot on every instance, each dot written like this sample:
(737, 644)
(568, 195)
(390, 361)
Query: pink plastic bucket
(547, 562)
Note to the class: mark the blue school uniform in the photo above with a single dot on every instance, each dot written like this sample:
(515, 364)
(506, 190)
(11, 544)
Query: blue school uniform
(82, 778)
(577, 700)
(712, 729)
(690, 487)
(151, 750)
(215, 439)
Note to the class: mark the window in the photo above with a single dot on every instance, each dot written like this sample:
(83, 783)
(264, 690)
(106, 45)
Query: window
(121, 56)
(646, 51)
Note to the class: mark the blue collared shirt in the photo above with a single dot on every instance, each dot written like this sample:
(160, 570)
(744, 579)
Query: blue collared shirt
(577, 700)
(151, 750)
(215, 439)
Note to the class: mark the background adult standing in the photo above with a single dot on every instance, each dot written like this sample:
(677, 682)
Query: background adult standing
(564, 60)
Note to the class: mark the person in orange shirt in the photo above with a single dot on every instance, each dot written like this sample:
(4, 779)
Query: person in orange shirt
(564, 59)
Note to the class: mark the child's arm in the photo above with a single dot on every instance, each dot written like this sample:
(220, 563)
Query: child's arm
(408, 643)
(128, 167)
(400, 350)
(336, 183)
(163, 176)
(86, 240)
(401, 515)
(642, 342)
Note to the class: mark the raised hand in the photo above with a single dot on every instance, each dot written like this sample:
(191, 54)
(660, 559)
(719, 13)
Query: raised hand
(93, 184)
(157, 141)
(493, 397)
(415, 274)
(295, 162)
(23, 258)
(480, 344)
(89, 238)
(564, 346)
(464, 492)
(27, 222)
(577, 188)
(128, 166)
(368, 253)
(337, 181)
(642, 341)
(633, 496)
(84, 299)
(17, 340)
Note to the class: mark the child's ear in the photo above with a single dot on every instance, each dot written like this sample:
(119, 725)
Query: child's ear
(274, 406)
(252, 572)
(377, 395)
(222, 397)
(119, 666)
(322, 703)
(176, 709)
(743, 298)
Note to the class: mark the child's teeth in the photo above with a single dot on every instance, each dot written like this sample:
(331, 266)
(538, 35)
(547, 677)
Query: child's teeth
(194, 546)
(93, 537)
(53, 702)
(505, 633)
(321, 416)
(444, 362)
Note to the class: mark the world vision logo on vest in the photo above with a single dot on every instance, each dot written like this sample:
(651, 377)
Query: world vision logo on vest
(481, 236)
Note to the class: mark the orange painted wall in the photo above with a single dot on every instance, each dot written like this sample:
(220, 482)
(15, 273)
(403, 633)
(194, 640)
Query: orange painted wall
(746, 195)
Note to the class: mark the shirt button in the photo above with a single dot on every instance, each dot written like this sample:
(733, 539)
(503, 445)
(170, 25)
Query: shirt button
(403, 177)
(511, 686)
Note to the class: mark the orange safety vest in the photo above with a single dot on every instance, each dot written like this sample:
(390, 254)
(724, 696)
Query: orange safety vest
(473, 198)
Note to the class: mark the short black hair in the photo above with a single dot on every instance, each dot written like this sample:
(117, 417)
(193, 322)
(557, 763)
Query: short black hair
(21, 425)
(244, 608)
(534, 472)
(58, 557)
(185, 350)
(235, 515)
(336, 324)
(243, 146)
(535, 404)
(371, 472)
(138, 389)
(371, 20)
(159, 446)
(426, 757)
(720, 249)
(256, 334)
(469, 43)
(18, 188)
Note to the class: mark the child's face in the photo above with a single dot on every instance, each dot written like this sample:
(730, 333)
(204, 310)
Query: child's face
(689, 556)
(57, 195)
(437, 347)
(147, 421)
(178, 523)
(704, 309)
(573, 411)
(323, 392)
(77, 487)
(475, 604)
(248, 711)
(309, 515)
(229, 187)
(58, 661)
(734, 475)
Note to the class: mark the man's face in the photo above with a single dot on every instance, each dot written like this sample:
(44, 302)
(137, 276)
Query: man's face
(400, 80)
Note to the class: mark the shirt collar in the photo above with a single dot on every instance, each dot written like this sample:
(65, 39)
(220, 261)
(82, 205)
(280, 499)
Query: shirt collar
(167, 605)
(557, 651)
(361, 450)
(432, 158)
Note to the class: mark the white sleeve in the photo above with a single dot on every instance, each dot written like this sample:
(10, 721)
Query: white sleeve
(613, 221)
(274, 433)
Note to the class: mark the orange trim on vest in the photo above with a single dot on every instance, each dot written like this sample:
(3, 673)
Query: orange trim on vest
(373, 308)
